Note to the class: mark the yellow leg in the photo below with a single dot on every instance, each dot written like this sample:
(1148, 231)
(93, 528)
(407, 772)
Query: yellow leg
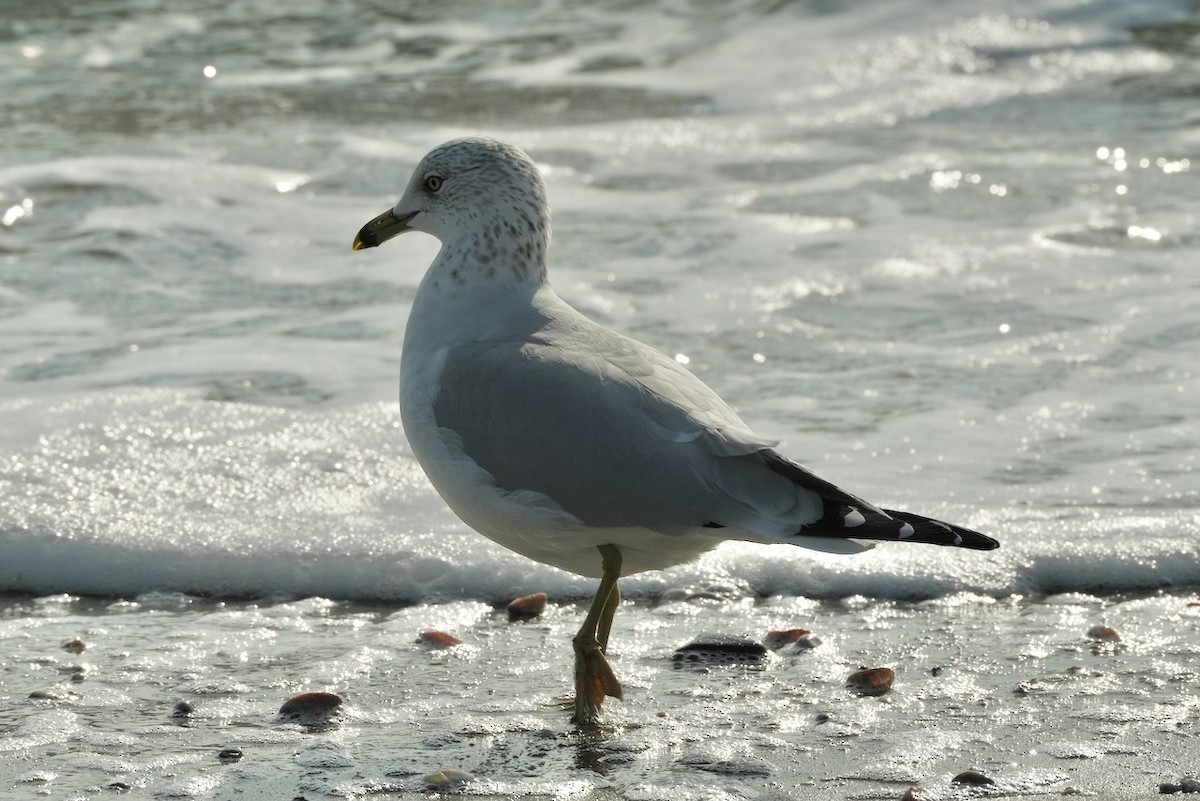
(606, 617)
(594, 679)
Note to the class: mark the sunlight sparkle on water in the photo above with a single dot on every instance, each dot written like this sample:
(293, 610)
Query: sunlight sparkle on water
(16, 212)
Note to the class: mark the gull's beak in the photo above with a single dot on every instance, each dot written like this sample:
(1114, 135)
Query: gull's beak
(382, 228)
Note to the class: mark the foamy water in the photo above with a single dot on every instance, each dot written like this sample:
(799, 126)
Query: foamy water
(945, 253)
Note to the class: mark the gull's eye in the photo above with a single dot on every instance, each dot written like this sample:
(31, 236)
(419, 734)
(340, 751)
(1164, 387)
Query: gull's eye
(433, 183)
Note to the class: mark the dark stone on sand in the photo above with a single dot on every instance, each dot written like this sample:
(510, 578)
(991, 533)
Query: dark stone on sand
(937, 671)
(871, 681)
(182, 710)
(230, 755)
(120, 787)
(823, 717)
(1188, 784)
(74, 645)
(738, 766)
(915, 794)
(438, 639)
(312, 709)
(972, 778)
(1103, 634)
(721, 650)
(527, 607)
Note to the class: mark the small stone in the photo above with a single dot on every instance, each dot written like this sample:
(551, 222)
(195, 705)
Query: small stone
(182, 710)
(779, 638)
(1166, 788)
(823, 717)
(973, 778)
(937, 671)
(1189, 784)
(447, 779)
(871, 681)
(74, 645)
(1103, 634)
(230, 755)
(915, 794)
(721, 650)
(311, 709)
(119, 786)
(438, 639)
(527, 607)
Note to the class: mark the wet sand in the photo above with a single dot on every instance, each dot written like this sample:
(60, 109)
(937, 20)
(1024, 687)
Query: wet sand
(1015, 689)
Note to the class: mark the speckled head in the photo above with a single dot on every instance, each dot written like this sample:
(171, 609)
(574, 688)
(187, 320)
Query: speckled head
(485, 200)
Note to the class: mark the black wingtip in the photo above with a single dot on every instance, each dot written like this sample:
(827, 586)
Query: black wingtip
(853, 518)
(936, 532)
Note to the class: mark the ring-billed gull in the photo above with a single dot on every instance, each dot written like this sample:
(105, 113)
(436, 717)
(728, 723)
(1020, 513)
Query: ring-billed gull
(570, 443)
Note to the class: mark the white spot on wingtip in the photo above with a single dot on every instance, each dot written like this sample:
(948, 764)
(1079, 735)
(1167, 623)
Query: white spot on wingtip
(906, 531)
(853, 518)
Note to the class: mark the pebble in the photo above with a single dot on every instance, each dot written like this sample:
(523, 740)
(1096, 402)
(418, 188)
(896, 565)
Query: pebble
(915, 794)
(182, 710)
(722, 650)
(871, 681)
(973, 778)
(1103, 634)
(447, 779)
(230, 755)
(438, 639)
(54, 695)
(527, 607)
(800, 639)
(74, 645)
(311, 709)
(779, 638)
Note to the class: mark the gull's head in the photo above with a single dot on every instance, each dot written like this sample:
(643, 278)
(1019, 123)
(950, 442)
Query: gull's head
(479, 197)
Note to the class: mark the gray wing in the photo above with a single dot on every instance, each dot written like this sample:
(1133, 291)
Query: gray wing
(619, 435)
(615, 433)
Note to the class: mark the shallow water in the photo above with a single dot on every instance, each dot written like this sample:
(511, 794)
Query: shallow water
(945, 252)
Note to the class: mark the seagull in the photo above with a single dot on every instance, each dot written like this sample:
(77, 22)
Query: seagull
(570, 443)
